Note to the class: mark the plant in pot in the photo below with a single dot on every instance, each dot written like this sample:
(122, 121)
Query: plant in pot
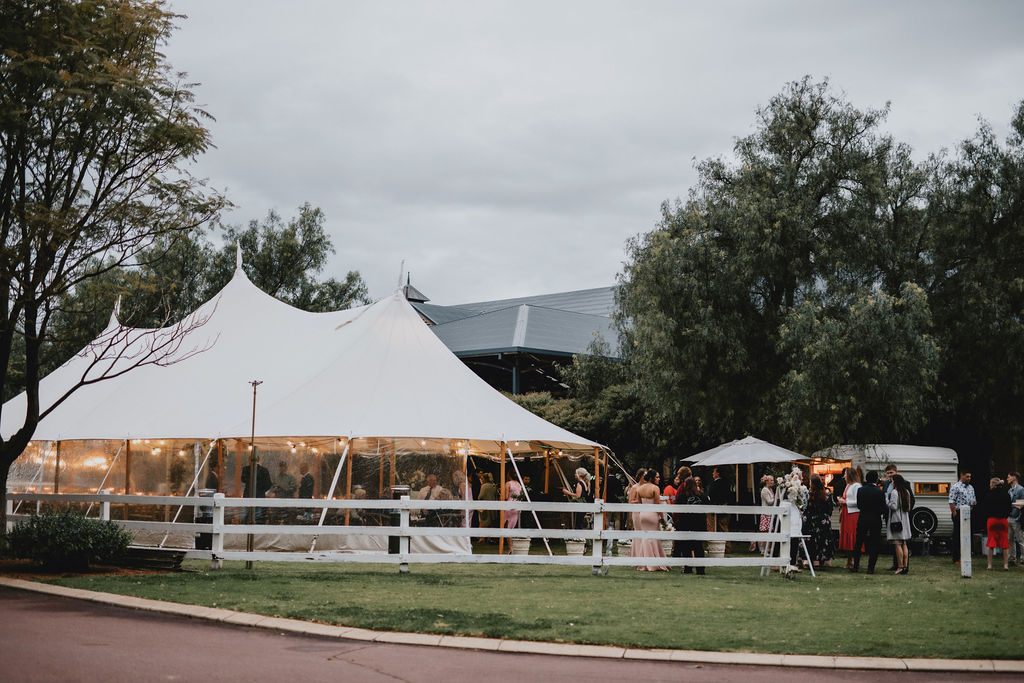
(575, 546)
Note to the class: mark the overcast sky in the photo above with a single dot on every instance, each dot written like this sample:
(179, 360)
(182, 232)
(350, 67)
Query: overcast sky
(508, 149)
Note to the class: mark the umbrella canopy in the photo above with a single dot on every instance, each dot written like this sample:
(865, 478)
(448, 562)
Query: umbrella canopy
(744, 451)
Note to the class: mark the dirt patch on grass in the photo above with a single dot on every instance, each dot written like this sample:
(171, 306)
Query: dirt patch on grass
(26, 569)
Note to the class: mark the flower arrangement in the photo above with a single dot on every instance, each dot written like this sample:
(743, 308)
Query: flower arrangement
(791, 487)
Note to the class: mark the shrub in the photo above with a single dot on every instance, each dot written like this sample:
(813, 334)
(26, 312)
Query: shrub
(67, 540)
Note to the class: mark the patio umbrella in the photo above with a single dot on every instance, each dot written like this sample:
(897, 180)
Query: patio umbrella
(746, 451)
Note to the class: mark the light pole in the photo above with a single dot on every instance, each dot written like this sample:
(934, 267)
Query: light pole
(252, 470)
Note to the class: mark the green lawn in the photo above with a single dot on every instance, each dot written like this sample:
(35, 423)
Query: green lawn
(933, 612)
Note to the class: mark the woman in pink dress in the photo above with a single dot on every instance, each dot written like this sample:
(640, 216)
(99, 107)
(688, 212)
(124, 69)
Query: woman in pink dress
(648, 493)
(512, 491)
(633, 499)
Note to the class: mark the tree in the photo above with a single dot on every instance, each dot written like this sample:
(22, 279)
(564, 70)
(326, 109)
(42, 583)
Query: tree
(814, 229)
(977, 208)
(181, 271)
(283, 260)
(96, 132)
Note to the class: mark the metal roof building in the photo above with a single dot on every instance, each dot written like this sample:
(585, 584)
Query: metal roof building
(515, 344)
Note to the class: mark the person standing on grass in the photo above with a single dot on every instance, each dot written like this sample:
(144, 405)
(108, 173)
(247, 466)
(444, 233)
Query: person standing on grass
(890, 470)
(1016, 492)
(960, 493)
(818, 524)
(720, 494)
(996, 508)
(871, 502)
(764, 525)
(580, 493)
(898, 502)
(689, 494)
(849, 514)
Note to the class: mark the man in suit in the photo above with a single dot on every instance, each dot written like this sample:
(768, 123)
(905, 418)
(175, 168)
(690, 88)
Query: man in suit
(871, 502)
(720, 494)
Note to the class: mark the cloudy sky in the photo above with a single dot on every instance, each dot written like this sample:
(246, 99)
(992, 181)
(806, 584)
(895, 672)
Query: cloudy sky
(506, 149)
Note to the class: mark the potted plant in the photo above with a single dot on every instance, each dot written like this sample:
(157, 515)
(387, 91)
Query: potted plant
(519, 546)
(575, 546)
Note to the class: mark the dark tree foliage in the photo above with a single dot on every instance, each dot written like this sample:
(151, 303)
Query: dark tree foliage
(96, 134)
(822, 287)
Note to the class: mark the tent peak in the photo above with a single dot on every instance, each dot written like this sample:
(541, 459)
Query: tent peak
(115, 315)
(238, 255)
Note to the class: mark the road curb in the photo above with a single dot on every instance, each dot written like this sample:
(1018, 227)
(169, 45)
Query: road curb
(523, 646)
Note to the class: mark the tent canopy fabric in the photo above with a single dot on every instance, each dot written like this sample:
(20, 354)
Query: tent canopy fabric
(746, 451)
(372, 371)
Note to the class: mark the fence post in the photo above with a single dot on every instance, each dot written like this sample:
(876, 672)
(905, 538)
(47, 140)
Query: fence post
(403, 539)
(785, 527)
(217, 535)
(598, 547)
(105, 506)
(965, 541)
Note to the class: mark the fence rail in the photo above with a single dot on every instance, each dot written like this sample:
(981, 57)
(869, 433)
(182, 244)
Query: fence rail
(408, 521)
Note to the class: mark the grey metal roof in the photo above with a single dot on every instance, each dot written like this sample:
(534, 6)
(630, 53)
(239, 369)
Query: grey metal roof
(525, 328)
(439, 315)
(597, 301)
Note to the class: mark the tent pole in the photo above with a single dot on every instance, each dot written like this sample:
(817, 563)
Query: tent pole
(56, 470)
(330, 494)
(127, 472)
(526, 492)
(501, 496)
(394, 456)
(220, 465)
(547, 471)
(468, 489)
(109, 470)
(238, 469)
(380, 482)
(597, 472)
(192, 486)
(348, 488)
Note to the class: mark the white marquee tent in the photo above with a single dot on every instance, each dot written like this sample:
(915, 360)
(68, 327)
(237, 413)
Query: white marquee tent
(373, 371)
(374, 378)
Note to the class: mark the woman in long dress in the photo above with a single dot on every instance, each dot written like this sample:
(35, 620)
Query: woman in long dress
(767, 499)
(898, 501)
(633, 499)
(648, 493)
(512, 491)
(849, 514)
(818, 523)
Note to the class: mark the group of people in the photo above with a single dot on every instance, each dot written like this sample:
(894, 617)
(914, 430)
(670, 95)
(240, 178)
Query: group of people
(284, 485)
(1000, 507)
(686, 489)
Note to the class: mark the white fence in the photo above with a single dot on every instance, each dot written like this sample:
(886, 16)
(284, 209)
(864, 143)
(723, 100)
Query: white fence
(602, 535)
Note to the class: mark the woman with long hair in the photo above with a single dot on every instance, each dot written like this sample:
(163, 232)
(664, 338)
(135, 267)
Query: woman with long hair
(691, 495)
(995, 506)
(898, 502)
(581, 493)
(818, 523)
(648, 493)
(764, 525)
(849, 514)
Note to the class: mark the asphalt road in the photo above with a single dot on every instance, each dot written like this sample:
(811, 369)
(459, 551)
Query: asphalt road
(49, 638)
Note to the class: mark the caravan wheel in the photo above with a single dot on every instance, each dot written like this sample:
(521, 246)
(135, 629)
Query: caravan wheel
(923, 521)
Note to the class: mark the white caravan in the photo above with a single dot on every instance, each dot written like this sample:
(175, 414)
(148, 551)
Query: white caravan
(931, 471)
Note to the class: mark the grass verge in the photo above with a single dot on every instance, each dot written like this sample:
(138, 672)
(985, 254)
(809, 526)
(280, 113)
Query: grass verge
(932, 612)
